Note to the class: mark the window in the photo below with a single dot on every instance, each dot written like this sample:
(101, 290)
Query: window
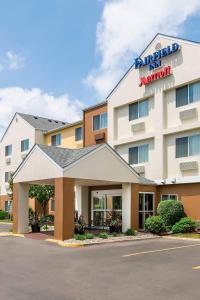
(188, 146)
(24, 145)
(139, 154)
(146, 208)
(138, 110)
(7, 176)
(8, 206)
(188, 94)
(56, 140)
(78, 134)
(100, 121)
(52, 205)
(168, 197)
(8, 150)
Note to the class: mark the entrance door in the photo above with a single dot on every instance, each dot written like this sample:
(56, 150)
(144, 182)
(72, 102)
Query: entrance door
(105, 206)
(146, 208)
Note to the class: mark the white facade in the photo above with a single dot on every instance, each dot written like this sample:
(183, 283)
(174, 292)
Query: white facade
(165, 122)
(18, 131)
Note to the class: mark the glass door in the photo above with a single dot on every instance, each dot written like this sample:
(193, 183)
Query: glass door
(146, 208)
(105, 206)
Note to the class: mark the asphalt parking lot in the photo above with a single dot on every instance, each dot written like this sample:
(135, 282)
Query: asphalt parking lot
(33, 269)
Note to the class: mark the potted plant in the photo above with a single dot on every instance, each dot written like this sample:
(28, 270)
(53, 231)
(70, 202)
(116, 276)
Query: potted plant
(80, 225)
(35, 222)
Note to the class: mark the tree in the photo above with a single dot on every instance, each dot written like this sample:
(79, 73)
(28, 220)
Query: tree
(42, 193)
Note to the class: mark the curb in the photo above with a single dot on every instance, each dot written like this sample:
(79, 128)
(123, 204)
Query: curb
(181, 238)
(80, 245)
(5, 234)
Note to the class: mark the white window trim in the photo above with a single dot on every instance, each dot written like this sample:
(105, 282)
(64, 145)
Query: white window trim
(140, 163)
(168, 195)
(101, 128)
(188, 145)
(138, 117)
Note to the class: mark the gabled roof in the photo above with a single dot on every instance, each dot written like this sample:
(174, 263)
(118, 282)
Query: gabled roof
(64, 156)
(158, 34)
(95, 106)
(80, 122)
(42, 123)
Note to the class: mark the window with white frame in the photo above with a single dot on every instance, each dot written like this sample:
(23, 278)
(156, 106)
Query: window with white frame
(139, 154)
(8, 150)
(7, 176)
(138, 109)
(188, 94)
(100, 121)
(56, 139)
(169, 197)
(78, 134)
(24, 145)
(188, 146)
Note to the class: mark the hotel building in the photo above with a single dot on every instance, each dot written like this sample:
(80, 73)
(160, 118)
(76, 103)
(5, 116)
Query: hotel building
(151, 122)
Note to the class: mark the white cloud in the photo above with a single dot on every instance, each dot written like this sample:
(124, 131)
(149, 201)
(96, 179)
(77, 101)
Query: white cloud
(34, 101)
(15, 61)
(126, 27)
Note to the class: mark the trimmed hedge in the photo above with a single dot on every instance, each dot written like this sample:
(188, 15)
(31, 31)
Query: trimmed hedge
(171, 211)
(4, 215)
(103, 235)
(155, 224)
(130, 231)
(184, 225)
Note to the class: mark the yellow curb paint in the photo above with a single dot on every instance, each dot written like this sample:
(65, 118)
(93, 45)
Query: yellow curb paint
(3, 234)
(196, 268)
(63, 244)
(160, 250)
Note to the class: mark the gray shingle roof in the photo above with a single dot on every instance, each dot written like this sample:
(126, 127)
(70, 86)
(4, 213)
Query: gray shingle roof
(64, 156)
(41, 123)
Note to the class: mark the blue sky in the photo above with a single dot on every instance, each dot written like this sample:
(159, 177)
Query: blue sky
(58, 56)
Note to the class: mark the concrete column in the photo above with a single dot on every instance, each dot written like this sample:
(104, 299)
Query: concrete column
(20, 207)
(64, 208)
(135, 205)
(81, 200)
(78, 199)
(126, 206)
(85, 203)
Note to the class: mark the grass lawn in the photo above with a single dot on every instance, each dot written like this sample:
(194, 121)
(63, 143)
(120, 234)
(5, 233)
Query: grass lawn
(188, 235)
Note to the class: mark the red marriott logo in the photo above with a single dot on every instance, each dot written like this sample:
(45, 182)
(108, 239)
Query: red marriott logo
(155, 76)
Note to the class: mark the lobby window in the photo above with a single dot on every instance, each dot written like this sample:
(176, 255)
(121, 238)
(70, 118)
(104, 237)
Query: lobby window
(8, 206)
(169, 197)
(24, 145)
(78, 134)
(188, 146)
(8, 150)
(56, 140)
(139, 154)
(138, 110)
(100, 121)
(188, 94)
(7, 176)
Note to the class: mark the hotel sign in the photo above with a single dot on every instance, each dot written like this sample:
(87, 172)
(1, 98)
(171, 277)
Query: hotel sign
(153, 62)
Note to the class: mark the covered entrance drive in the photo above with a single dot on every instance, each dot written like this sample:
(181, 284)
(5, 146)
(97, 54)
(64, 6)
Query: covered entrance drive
(84, 178)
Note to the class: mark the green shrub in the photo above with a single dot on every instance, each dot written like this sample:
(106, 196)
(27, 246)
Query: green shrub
(155, 224)
(89, 236)
(184, 225)
(80, 237)
(103, 235)
(171, 211)
(49, 218)
(4, 215)
(130, 231)
(114, 234)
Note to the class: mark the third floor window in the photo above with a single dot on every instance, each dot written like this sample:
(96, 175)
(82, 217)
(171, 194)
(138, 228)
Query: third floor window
(188, 146)
(8, 150)
(138, 109)
(25, 145)
(188, 94)
(100, 121)
(78, 134)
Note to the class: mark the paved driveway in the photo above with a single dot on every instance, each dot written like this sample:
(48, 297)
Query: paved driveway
(32, 269)
(5, 227)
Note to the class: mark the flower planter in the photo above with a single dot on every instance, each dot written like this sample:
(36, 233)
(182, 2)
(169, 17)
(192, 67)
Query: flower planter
(35, 228)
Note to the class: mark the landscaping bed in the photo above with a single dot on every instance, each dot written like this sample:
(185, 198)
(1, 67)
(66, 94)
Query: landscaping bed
(110, 239)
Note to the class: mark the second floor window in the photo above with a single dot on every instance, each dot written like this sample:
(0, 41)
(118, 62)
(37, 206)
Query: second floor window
(7, 176)
(24, 145)
(188, 94)
(78, 134)
(138, 110)
(56, 140)
(8, 150)
(139, 154)
(100, 121)
(188, 146)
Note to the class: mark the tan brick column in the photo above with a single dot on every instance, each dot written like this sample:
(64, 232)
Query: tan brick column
(64, 208)
(20, 207)
(135, 205)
